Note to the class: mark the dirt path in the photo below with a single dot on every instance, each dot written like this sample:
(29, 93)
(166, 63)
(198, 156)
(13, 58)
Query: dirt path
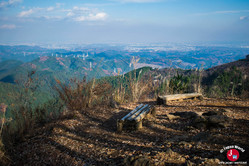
(81, 139)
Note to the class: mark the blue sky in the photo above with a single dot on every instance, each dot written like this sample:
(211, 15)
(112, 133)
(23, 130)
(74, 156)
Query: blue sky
(122, 21)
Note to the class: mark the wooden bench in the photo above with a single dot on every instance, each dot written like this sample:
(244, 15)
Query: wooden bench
(135, 117)
(165, 99)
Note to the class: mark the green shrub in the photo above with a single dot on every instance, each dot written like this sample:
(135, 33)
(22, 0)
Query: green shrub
(179, 84)
(227, 83)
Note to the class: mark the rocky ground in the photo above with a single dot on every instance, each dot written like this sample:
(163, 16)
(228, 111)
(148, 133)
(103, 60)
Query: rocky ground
(190, 132)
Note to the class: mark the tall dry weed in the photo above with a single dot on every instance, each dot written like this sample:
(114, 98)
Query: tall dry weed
(4, 160)
(80, 94)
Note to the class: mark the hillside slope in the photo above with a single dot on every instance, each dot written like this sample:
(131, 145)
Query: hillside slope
(63, 68)
(91, 139)
(242, 65)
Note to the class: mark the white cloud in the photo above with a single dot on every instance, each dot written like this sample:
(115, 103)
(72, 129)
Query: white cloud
(8, 26)
(26, 13)
(52, 17)
(244, 18)
(9, 3)
(98, 16)
(223, 12)
(92, 17)
(42, 11)
(76, 13)
(14, 1)
(80, 18)
(81, 14)
(50, 8)
(70, 14)
(80, 9)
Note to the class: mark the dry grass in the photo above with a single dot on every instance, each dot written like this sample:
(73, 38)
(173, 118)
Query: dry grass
(119, 94)
(138, 86)
(4, 160)
(81, 94)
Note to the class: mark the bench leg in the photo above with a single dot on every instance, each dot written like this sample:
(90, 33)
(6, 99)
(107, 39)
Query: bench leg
(120, 125)
(139, 125)
(153, 112)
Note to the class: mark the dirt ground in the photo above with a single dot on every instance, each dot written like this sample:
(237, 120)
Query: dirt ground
(91, 139)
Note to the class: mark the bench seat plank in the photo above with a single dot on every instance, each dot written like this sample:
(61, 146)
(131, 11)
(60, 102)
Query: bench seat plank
(138, 112)
(134, 118)
(142, 114)
(165, 99)
(132, 112)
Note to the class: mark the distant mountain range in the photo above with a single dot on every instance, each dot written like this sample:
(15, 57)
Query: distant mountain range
(51, 64)
(180, 56)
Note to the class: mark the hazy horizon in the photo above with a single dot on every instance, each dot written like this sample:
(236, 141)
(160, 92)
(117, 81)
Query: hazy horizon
(123, 21)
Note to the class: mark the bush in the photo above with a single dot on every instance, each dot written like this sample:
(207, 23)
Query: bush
(227, 83)
(3, 158)
(179, 84)
(24, 115)
(137, 86)
(78, 95)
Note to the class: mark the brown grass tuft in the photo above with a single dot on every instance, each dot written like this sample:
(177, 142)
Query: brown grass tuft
(80, 94)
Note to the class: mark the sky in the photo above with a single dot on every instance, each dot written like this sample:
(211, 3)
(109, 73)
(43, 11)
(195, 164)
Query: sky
(122, 21)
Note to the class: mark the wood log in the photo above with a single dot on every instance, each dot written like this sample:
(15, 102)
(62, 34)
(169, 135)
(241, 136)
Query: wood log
(138, 112)
(165, 99)
(139, 125)
(135, 117)
(142, 114)
(132, 112)
(120, 125)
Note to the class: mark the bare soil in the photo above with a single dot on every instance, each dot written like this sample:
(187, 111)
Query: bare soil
(90, 137)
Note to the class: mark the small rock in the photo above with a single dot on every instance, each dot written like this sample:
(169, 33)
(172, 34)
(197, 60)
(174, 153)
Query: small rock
(199, 122)
(211, 119)
(218, 121)
(189, 163)
(172, 117)
(187, 114)
(200, 119)
(224, 110)
(169, 152)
